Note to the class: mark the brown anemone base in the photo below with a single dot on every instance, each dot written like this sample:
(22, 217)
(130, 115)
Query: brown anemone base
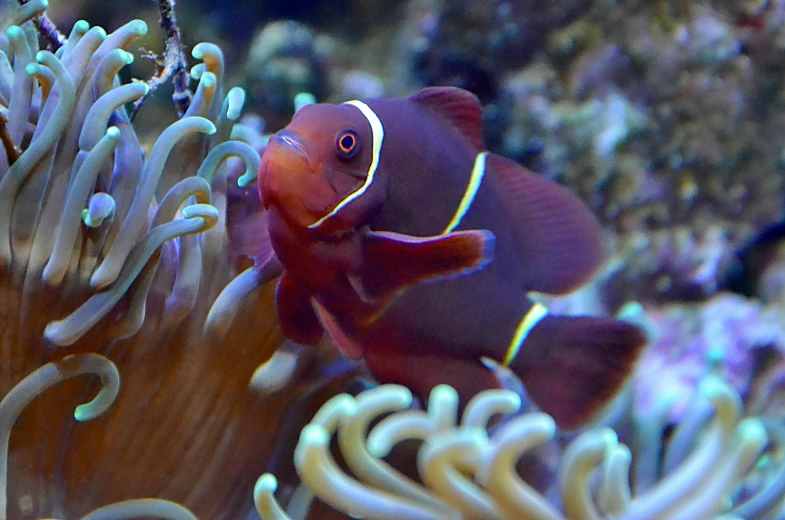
(185, 426)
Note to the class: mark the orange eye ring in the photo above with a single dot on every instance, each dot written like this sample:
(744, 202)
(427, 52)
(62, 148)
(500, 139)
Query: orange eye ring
(347, 144)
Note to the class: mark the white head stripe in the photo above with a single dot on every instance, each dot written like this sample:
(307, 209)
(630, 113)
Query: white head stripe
(478, 171)
(377, 132)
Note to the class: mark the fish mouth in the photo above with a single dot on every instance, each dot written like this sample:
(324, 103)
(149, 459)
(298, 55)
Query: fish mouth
(284, 153)
(291, 144)
(289, 180)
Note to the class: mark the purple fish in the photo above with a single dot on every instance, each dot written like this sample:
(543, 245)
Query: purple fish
(414, 248)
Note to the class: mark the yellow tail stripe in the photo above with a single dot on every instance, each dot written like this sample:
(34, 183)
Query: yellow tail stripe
(529, 321)
(478, 171)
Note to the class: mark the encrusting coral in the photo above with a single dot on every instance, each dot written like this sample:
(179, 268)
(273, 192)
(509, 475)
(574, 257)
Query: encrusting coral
(469, 471)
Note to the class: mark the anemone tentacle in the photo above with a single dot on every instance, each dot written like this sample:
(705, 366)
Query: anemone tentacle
(39, 381)
(83, 202)
(470, 470)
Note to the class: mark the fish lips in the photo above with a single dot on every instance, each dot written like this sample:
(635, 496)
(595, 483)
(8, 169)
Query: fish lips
(290, 178)
(284, 155)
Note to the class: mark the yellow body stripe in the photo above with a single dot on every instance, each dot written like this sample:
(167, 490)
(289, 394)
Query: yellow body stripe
(478, 171)
(377, 132)
(537, 312)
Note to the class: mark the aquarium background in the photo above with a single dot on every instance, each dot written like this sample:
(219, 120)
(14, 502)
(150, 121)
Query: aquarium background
(664, 116)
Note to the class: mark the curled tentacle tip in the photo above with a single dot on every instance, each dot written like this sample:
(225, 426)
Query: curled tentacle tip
(89, 411)
(200, 50)
(609, 437)
(713, 387)
(345, 404)
(50, 277)
(56, 333)
(378, 448)
(752, 431)
(247, 178)
(275, 373)
(314, 435)
(83, 414)
(208, 79)
(401, 394)
(622, 451)
(335, 410)
(511, 399)
(14, 31)
(81, 26)
(32, 69)
(236, 98)
(205, 211)
(443, 392)
(139, 27)
(44, 4)
(544, 423)
(101, 206)
(267, 483)
(194, 124)
(101, 278)
(127, 56)
(197, 71)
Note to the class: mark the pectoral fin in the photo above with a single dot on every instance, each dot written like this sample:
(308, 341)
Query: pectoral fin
(295, 313)
(393, 261)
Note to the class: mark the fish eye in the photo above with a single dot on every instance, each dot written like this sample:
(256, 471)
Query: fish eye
(347, 143)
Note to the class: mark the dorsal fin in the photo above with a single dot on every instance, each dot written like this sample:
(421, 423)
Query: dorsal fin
(459, 107)
(558, 240)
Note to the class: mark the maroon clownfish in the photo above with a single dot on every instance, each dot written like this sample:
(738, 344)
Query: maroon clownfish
(414, 248)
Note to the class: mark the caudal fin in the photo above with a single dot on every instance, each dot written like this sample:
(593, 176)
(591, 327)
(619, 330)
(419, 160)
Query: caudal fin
(572, 366)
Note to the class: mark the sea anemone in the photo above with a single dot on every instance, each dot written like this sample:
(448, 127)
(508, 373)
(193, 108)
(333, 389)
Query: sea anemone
(467, 470)
(129, 250)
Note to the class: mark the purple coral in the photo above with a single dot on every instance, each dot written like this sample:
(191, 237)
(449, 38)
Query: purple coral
(692, 341)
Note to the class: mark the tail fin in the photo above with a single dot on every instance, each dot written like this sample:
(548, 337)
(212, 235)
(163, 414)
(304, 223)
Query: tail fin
(572, 366)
